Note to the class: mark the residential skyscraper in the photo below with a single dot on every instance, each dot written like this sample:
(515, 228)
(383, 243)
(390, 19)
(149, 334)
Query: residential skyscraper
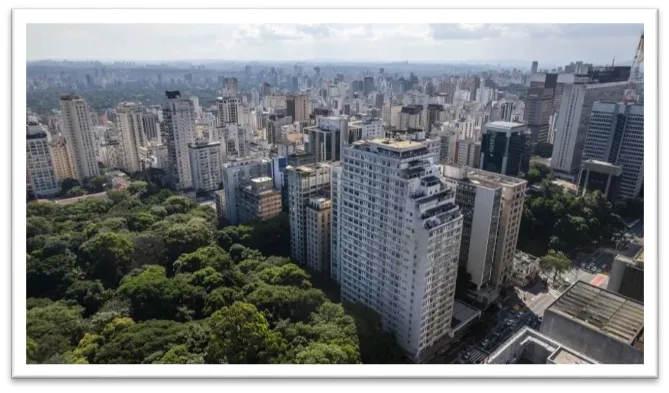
(448, 151)
(304, 183)
(77, 129)
(39, 165)
(258, 200)
(318, 216)
(535, 67)
(297, 107)
(365, 128)
(205, 164)
(178, 132)
(410, 117)
(468, 153)
(238, 173)
(539, 107)
(399, 233)
(229, 110)
(433, 114)
(503, 148)
(62, 163)
(327, 138)
(131, 135)
(151, 125)
(615, 135)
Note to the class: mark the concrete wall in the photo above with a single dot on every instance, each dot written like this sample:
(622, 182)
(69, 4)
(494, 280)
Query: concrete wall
(583, 339)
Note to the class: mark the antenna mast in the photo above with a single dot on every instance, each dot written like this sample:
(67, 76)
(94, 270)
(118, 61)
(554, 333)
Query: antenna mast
(630, 95)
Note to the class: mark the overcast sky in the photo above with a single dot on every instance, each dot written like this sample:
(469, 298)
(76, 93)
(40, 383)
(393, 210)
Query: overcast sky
(548, 43)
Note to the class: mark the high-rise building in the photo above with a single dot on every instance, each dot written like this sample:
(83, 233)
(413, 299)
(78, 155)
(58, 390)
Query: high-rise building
(318, 216)
(399, 233)
(535, 67)
(41, 172)
(259, 200)
(479, 198)
(196, 106)
(131, 135)
(365, 128)
(274, 124)
(325, 140)
(230, 86)
(468, 153)
(504, 148)
(178, 132)
(368, 84)
(205, 164)
(235, 140)
(626, 276)
(410, 117)
(229, 110)
(448, 151)
(434, 112)
(77, 129)
(297, 107)
(237, 173)
(335, 192)
(506, 111)
(303, 183)
(615, 135)
(60, 155)
(151, 125)
(579, 93)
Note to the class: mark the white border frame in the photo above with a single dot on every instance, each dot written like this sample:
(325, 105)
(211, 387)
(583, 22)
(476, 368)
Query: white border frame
(649, 17)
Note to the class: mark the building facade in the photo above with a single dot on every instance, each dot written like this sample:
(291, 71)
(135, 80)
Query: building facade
(399, 241)
(318, 226)
(237, 173)
(132, 136)
(504, 148)
(77, 129)
(259, 200)
(41, 172)
(178, 131)
(205, 164)
(60, 156)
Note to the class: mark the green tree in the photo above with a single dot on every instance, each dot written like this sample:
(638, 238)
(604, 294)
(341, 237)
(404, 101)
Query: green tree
(88, 294)
(241, 335)
(138, 187)
(555, 261)
(106, 257)
(55, 327)
(185, 238)
(50, 277)
(219, 298)
(179, 354)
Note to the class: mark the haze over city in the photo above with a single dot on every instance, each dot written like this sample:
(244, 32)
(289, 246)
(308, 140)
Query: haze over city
(508, 44)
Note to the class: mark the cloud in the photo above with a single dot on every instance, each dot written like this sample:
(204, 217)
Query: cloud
(559, 43)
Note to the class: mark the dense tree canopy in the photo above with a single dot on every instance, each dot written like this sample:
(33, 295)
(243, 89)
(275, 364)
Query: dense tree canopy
(560, 221)
(144, 276)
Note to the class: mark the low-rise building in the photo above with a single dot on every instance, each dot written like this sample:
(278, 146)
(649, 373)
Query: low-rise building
(526, 268)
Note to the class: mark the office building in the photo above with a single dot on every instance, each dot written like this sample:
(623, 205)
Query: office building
(365, 128)
(603, 325)
(238, 172)
(399, 234)
(579, 93)
(538, 110)
(205, 164)
(297, 107)
(318, 215)
(410, 117)
(60, 156)
(230, 86)
(434, 113)
(178, 132)
(326, 139)
(259, 200)
(274, 124)
(535, 67)
(479, 198)
(503, 148)
(615, 135)
(77, 130)
(600, 176)
(626, 276)
(368, 84)
(468, 153)
(506, 111)
(528, 346)
(303, 183)
(448, 151)
(131, 136)
(40, 169)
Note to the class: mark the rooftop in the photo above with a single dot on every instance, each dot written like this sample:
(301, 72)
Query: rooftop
(504, 124)
(607, 312)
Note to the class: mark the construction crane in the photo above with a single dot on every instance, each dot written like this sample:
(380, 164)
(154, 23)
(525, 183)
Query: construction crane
(630, 95)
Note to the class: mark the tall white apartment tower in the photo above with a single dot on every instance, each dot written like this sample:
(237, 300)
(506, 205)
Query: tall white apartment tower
(179, 131)
(335, 192)
(399, 233)
(41, 171)
(131, 135)
(205, 164)
(77, 129)
(229, 110)
(304, 182)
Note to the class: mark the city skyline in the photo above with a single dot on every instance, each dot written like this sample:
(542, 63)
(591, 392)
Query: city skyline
(554, 44)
